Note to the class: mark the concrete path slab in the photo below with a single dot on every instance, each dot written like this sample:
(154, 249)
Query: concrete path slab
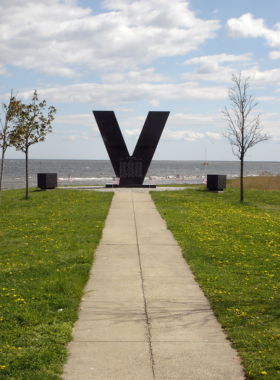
(143, 316)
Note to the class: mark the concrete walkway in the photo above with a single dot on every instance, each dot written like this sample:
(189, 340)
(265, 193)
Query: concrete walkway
(143, 316)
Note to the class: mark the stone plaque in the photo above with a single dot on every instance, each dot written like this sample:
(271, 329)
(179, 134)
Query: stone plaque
(130, 168)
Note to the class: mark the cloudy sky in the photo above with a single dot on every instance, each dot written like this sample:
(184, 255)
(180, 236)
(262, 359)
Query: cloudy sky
(135, 56)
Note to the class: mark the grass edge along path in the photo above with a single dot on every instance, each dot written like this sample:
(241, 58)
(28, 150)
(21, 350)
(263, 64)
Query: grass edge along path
(233, 251)
(47, 250)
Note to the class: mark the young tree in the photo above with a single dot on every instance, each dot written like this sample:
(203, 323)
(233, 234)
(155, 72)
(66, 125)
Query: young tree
(10, 111)
(32, 127)
(242, 132)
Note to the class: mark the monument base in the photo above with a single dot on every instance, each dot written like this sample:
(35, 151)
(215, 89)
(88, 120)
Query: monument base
(110, 186)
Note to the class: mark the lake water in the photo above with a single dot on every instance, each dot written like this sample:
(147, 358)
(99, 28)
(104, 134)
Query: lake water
(92, 172)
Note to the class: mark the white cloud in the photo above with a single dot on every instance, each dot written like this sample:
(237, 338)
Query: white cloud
(262, 77)
(211, 69)
(271, 99)
(196, 120)
(140, 76)
(247, 26)
(81, 119)
(187, 135)
(155, 102)
(219, 58)
(110, 94)
(214, 135)
(74, 135)
(135, 133)
(274, 55)
(179, 127)
(95, 132)
(123, 109)
(270, 123)
(168, 135)
(179, 121)
(2, 70)
(71, 137)
(133, 125)
(85, 135)
(62, 38)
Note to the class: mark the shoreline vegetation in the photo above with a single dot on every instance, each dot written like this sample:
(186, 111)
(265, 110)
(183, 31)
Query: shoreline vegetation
(266, 181)
(48, 245)
(47, 250)
(233, 252)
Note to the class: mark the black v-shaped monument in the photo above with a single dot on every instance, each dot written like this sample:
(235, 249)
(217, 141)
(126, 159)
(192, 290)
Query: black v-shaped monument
(130, 169)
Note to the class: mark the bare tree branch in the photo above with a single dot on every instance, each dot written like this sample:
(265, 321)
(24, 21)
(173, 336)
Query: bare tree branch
(242, 132)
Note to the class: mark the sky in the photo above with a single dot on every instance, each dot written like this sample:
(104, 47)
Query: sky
(136, 56)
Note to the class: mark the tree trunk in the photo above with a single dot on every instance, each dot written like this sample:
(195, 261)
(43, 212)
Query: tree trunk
(241, 177)
(26, 171)
(2, 169)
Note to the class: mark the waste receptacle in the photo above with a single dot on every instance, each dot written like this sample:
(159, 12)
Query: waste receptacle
(216, 182)
(47, 180)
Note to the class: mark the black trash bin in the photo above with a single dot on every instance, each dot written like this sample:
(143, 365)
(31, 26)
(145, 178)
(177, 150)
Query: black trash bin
(47, 180)
(216, 182)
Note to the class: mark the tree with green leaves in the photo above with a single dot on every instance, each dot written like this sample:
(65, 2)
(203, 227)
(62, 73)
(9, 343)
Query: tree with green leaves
(32, 127)
(243, 132)
(10, 110)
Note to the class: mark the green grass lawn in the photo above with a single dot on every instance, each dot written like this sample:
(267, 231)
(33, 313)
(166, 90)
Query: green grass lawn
(47, 249)
(233, 250)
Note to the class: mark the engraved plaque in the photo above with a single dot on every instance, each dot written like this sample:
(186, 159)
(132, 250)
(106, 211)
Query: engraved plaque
(130, 168)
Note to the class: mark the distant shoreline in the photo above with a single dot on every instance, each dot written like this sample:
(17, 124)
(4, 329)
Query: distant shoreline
(107, 160)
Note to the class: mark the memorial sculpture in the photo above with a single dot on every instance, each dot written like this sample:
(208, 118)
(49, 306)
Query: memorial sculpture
(130, 169)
